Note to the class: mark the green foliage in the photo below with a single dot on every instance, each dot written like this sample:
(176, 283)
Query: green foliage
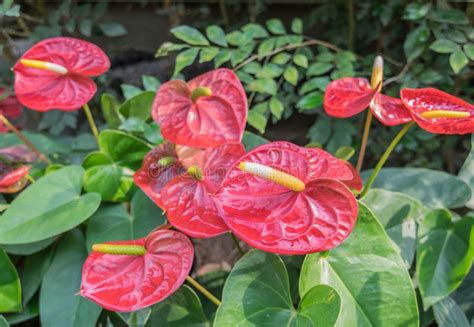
(10, 289)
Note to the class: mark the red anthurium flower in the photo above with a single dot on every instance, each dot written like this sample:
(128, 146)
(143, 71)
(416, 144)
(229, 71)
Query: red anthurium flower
(188, 199)
(286, 199)
(9, 107)
(349, 96)
(12, 173)
(208, 111)
(55, 74)
(130, 275)
(356, 181)
(439, 112)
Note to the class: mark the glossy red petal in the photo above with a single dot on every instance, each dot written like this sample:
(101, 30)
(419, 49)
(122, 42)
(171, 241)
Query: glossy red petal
(314, 220)
(356, 182)
(390, 111)
(10, 107)
(418, 101)
(129, 283)
(152, 177)
(210, 121)
(189, 203)
(12, 180)
(347, 97)
(45, 90)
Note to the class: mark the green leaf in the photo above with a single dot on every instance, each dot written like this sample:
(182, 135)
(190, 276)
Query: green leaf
(189, 35)
(300, 60)
(435, 189)
(59, 304)
(257, 121)
(251, 140)
(449, 314)
(10, 289)
(3, 321)
(345, 153)
(415, 42)
(129, 91)
(114, 223)
(257, 293)
(415, 11)
(291, 75)
(110, 106)
(124, 149)
(29, 248)
(153, 133)
(35, 267)
(207, 54)
(216, 34)
(319, 68)
(458, 60)
(369, 276)
(85, 27)
(238, 38)
(466, 173)
(168, 47)
(266, 47)
(444, 254)
(464, 294)
(263, 85)
(444, 46)
(60, 208)
(319, 83)
(275, 26)
(281, 58)
(297, 25)
(221, 58)
(469, 50)
(269, 71)
(310, 101)
(276, 107)
(450, 16)
(184, 59)
(133, 124)
(255, 30)
(398, 213)
(138, 106)
(113, 29)
(150, 83)
(30, 311)
(183, 308)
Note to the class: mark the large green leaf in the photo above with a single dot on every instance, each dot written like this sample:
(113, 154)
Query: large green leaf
(35, 267)
(138, 106)
(29, 311)
(110, 109)
(251, 140)
(49, 207)
(183, 308)
(257, 293)
(10, 289)
(467, 173)
(114, 223)
(398, 214)
(59, 303)
(29, 248)
(433, 188)
(444, 254)
(464, 295)
(369, 275)
(189, 35)
(449, 314)
(3, 322)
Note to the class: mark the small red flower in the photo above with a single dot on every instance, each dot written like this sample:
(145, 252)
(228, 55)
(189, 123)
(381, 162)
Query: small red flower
(439, 112)
(9, 107)
(208, 111)
(12, 171)
(140, 273)
(286, 199)
(55, 74)
(347, 97)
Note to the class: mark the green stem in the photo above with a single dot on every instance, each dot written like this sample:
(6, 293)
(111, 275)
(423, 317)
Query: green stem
(385, 156)
(365, 137)
(90, 119)
(237, 244)
(203, 290)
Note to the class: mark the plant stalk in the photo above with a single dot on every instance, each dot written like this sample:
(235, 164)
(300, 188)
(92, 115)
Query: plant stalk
(203, 290)
(385, 156)
(92, 124)
(365, 137)
(237, 244)
(23, 138)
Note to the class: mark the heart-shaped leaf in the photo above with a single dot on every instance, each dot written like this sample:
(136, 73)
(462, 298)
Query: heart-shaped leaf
(467, 173)
(444, 254)
(59, 304)
(398, 214)
(49, 207)
(369, 275)
(448, 313)
(257, 293)
(433, 188)
(10, 289)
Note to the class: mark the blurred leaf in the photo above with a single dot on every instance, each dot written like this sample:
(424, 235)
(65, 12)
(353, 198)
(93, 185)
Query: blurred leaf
(35, 267)
(150, 83)
(449, 314)
(450, 16)
(129, 91)
(257, 121)
(466, 173)
(85, 27)
(469, 50)
(415, 11)
(10, 289)
(168, 47)
(415, 42)
(217, 35)
(345, 153)
(153, 133)
(276, 107)
(266, 47)
(113, 29)
(319, 68)
(319, 83)
(139, 106)
(110, 105)
(184, 59)
(222, 57)
(269, 71)
(207, 54)
(281, 58)
(291, 75)
(444, 46)
(310, 101)
(238, 38)
(301, 60)
(7, 8)
(133, 124)
(263, 85)
(275, 26)
(251, 140)
(255, 30)
(297, 25)
(189, 35)
(458, 60)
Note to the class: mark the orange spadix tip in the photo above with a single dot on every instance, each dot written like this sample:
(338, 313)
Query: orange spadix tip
(377, 74)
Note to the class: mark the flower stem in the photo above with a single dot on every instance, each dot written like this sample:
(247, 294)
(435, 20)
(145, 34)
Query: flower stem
(237, 244)
(92, 124)
(203, 290)
(365, 137)
(385, 156)
(30, 178)
(23, 138)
